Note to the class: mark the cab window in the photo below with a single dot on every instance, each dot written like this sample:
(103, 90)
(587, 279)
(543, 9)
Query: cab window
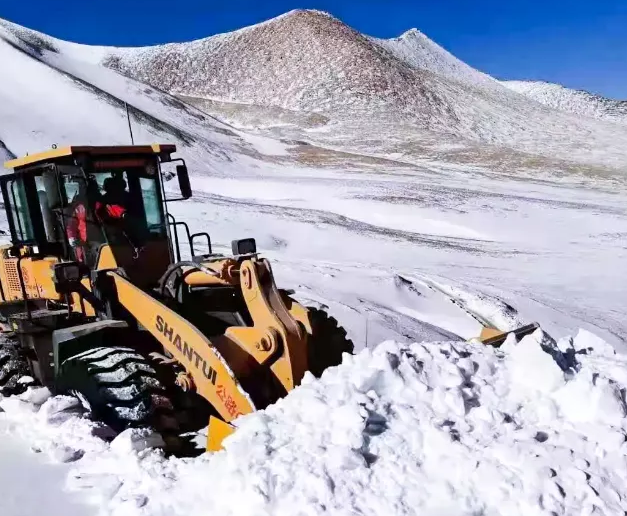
(51, 227)
(152, 205)
(18, 210)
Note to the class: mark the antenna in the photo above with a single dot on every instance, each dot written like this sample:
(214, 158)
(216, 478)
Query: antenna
(128, 117)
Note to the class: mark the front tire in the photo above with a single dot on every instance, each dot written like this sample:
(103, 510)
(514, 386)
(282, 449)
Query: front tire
(121, 388)
(13, 366)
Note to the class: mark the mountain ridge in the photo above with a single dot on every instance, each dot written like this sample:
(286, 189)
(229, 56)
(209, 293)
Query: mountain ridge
(577, 101)
(312, 62)
(408, 90)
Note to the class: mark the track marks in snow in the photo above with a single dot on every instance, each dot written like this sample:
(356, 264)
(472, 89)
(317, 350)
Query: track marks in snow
(318, 217)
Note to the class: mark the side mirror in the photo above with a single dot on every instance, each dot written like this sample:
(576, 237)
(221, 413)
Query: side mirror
(245, 246)
(184, 184)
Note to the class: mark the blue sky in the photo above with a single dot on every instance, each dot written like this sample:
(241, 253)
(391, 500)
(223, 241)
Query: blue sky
(578, 43)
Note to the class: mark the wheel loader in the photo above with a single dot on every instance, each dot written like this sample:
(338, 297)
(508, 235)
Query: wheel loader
(99, 304)
(104, 308)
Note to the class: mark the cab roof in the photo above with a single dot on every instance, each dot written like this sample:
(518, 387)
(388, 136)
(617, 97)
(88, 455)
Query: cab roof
(62, 152)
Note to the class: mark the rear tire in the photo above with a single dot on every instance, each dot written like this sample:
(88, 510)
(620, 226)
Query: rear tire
(13, 366)
(327, 342)
(121, 389)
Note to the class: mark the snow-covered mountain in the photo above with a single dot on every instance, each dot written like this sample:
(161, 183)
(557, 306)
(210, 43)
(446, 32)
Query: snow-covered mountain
(405, 97)
(416, 49)
(409, 88)
(48, 97)
(579, 102)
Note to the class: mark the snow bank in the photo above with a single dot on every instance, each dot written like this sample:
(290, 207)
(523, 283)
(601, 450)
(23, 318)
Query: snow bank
(443, 428)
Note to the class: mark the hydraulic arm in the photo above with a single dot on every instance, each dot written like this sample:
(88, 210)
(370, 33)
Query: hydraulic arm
(277, 340)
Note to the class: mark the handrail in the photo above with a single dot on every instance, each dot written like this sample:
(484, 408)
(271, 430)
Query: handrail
(173, 222)
(190, 238)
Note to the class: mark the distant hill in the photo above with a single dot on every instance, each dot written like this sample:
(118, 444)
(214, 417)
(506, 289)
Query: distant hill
(573, 101)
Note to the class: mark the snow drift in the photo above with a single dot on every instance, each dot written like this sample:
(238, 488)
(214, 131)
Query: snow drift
(441, 428)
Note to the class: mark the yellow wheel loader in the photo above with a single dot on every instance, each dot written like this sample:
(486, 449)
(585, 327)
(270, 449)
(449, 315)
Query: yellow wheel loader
(98, 303)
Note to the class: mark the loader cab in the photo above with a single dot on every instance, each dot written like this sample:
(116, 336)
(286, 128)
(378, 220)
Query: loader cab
(102, 206)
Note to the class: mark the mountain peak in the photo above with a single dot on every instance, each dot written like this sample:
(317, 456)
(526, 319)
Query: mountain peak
(411, 33)
(305, 15)
(307, 12)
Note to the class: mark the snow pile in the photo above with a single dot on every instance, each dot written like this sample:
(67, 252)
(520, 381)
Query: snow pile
(573, 101)
(443, 428)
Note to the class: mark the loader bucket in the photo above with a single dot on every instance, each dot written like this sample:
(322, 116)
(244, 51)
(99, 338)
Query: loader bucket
(494, 337)
(217, 432)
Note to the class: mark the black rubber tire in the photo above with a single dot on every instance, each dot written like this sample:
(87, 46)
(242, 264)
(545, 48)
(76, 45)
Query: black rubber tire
(13, 366)
(327, 342)
(121, 387)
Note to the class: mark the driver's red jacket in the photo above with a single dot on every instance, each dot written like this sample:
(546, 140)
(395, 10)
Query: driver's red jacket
(77, 226)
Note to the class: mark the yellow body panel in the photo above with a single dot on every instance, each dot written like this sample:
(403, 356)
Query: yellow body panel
(106, 260)
(40, 156)
(199, 278)
(80, 304)
(62, 152)
(489, 333)
(36, 275)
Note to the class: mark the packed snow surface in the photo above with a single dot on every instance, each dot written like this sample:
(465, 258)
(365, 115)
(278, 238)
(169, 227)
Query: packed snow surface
(30, 484)
(432, 428)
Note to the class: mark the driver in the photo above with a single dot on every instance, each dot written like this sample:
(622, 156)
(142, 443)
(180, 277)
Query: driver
(80, 227)
(114, 203)
(76, 227)
(114, 210)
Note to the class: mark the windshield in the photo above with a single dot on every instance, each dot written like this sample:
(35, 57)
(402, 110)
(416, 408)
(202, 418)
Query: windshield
(136, 189)
(118, 202)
